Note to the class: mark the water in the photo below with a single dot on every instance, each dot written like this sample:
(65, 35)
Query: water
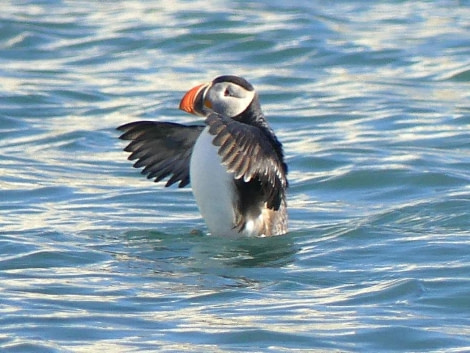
(372, 102)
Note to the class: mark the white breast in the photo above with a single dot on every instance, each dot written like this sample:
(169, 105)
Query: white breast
(213, 187)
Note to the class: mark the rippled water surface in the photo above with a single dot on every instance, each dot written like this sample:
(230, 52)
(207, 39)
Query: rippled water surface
(372, 103)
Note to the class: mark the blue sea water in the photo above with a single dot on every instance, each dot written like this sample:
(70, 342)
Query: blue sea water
(372, 103)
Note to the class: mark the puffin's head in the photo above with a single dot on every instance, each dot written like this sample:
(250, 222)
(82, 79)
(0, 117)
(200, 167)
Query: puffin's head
(226, 95)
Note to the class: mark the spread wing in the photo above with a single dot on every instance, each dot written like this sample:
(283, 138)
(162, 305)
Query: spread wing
(251, 155)
(162, 148)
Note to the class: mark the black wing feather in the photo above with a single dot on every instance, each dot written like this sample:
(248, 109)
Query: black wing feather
(163, 149)
(251, 154)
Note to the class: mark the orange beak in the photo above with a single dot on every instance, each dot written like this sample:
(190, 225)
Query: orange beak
(192, 100)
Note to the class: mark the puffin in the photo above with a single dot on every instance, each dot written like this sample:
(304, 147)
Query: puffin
(234, 161)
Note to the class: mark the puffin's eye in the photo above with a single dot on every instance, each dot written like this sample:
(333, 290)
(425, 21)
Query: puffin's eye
(227, 92)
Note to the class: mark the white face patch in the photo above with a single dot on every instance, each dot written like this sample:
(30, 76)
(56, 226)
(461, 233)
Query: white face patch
(229, 99)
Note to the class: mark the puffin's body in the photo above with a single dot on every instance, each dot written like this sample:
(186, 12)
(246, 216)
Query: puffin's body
(235, 162)
(213, 186)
